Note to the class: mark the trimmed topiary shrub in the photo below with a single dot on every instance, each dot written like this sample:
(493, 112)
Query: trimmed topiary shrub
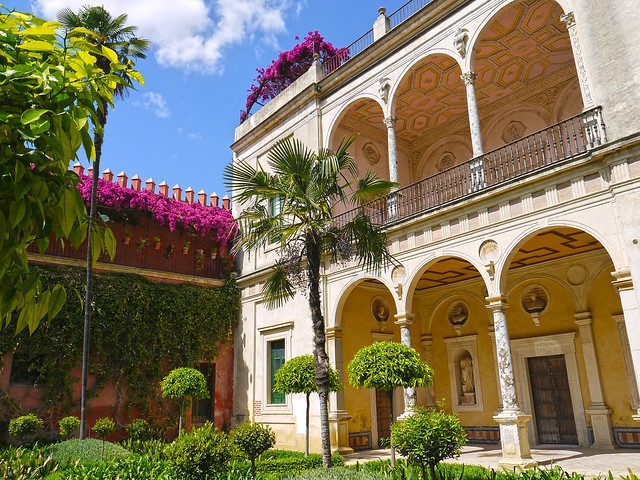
(103, 427)
(253, 439)
(86, 451)
(68, 425)
(203, 453)
(140, 430)
(182, 384)
(25, 426)
(427, 437)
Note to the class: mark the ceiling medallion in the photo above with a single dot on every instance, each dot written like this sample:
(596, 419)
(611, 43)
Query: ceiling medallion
(513, 131)
(534, 301)
(371, 153)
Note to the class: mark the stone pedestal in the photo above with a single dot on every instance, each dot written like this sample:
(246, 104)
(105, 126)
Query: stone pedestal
(514, 438)
(339, 432)
(601, 425)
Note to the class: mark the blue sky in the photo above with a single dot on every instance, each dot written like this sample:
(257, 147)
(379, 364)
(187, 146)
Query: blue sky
(179, 125)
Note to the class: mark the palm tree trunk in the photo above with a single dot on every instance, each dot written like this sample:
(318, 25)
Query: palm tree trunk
(98, 138)
(321, 359)
(306, 433)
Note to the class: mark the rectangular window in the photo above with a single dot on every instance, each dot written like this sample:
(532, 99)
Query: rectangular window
(276, 359)
(203, 410)
(275, 206)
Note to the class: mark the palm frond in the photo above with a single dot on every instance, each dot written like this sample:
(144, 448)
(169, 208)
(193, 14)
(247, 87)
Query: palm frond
(277, 289)
(369, 243)
(249, 183)
(370, 188)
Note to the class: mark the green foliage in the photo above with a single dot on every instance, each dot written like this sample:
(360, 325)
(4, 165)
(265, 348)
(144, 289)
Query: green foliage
(140, 430)
(88, 450)
(388, 365)
(103, 427)
(187, 323)
(202, 453)
(26, 464)
(132, 468)
(50, 86)
(282, 463)
(68, 425)
(427, 437)
(153, 449)
(337, 474)
(298, 375)
(25, 425)
(184, 382)
(253, 439)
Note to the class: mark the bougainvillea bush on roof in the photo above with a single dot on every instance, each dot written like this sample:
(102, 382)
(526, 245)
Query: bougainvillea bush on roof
(205, 221)
(287, 68)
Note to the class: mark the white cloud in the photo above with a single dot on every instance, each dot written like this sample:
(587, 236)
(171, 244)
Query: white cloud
(155, 102)
(191, 34)
(191, 136)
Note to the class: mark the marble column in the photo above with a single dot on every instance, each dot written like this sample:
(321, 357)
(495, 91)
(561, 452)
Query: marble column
(631, 312)
(597, 410)
(477, 175)
(492, 335)
(404, 321)
(427, 348)
(392, 202)
(512, 421)
(338, 416)
(583, 78)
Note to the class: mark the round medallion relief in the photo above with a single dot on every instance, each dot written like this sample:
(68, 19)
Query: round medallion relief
(380, 309)
(398, 275)
(577, 274)
(534, 299)
(489, 251)
(371, 153)
(446, 160)
(457, 313)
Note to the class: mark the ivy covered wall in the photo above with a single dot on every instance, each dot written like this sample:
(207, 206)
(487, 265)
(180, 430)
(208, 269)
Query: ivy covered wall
(140, 330)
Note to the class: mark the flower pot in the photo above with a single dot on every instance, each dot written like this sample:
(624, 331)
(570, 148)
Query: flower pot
(157, 246)
(185, 250)
(127, 240)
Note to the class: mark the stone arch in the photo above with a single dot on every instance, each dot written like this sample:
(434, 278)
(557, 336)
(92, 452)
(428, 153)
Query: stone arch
(347, 289)
(342, 111)
(572, 90)
(475, 36)
(427, 263)
(504, 263)
(406, 70)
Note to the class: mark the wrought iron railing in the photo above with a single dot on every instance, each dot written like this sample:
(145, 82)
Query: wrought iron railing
(395, 19)
(525, 156)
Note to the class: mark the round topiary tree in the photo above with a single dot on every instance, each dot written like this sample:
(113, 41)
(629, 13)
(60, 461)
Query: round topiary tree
(103, 427)
(427, 437)
(253, 440)
(387, 366)
(203, 453)
(298, 375)
(140, 430)
(68, 425)
(183, 384)
(25, 426)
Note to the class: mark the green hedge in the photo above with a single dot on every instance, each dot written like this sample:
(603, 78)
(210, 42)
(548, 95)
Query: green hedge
(88, 450)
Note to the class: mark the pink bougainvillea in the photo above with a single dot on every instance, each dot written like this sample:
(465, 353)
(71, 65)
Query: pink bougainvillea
(202, 220)
(287, 68)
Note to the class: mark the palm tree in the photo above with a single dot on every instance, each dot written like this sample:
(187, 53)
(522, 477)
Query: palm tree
(114, 34)
(292, 206)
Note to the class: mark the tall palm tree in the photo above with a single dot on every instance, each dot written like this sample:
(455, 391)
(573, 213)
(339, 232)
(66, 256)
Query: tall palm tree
(292, 205)
(114, 34)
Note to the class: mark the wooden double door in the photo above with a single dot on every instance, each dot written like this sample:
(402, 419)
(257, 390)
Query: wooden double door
(552, 405)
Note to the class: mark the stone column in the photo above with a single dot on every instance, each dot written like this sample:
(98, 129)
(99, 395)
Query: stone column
(392, 199)
(583, 78)
(427, 344)
(338, 416)
(631, 312)
(513, 423)
(404, 321)
(597, 410)
(492, 334)
(477, 176)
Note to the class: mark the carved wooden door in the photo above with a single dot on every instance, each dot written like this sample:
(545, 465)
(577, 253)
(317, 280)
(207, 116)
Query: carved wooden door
(552, 400)
(383, 412)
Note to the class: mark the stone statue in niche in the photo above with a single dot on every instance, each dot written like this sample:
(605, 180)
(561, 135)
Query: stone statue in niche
(371, 153)
(460, 38)
(513, 131)
(446, 160)
(467, 381)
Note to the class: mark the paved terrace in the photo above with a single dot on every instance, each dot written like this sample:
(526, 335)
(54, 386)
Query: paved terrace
(582, 460)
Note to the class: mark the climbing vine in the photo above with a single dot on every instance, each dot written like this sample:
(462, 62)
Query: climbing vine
(140, 331)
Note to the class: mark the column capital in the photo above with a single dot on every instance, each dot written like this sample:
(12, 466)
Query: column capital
(622, 280)
(497, 302)
(568, 19)
(583, 319)
(404, 319)
(469, 78)
(333, 332)
(390, 122)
